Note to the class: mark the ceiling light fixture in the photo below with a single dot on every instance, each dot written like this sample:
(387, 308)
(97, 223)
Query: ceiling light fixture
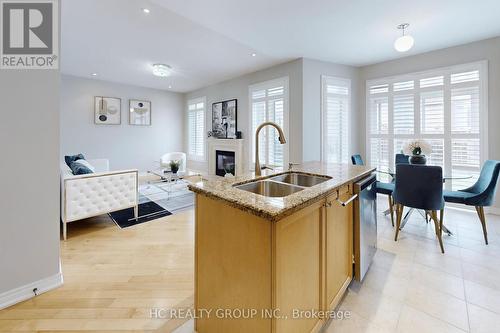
(405, 42)
(94, 74)
(254, 54)
(169, 87)
(146, 11)
(162, 70)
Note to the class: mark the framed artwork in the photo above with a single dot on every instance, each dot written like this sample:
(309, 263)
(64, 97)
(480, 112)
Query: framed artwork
(107, 110)
(140, 112)
(224, 119)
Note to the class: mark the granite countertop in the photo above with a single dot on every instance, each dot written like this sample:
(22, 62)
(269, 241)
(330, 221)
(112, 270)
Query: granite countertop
(273, 209)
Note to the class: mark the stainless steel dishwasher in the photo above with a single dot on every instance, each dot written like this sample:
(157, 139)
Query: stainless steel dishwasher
(365, 225)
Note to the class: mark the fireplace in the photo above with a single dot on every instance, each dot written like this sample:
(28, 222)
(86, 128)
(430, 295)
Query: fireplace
(231, 151)
(224, 162)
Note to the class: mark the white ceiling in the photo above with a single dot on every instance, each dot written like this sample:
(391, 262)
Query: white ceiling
(208, 41)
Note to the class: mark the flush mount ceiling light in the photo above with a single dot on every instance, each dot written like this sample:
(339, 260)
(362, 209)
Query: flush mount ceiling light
(162, 70)
(146, 10)
(94, 74)
(405, 42)
(254, 54)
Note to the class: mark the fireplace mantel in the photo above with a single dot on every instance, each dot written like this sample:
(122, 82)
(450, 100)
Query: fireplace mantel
(235, 145)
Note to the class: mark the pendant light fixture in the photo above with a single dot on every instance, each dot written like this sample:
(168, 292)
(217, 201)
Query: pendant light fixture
(405, 42)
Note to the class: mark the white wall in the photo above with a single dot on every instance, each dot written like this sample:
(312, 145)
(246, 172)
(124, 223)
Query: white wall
(126, 146)
(238, 88)
(29, 178)
(304, 100)
(312, 72)
(482, 50)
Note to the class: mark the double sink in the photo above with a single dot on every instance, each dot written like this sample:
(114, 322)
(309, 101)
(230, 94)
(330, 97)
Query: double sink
(282, 185)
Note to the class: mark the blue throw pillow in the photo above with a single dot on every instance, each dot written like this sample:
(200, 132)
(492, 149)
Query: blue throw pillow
(71, 158)
(81, 167)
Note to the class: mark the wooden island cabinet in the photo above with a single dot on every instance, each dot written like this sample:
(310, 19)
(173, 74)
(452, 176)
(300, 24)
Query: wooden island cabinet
(254, 274)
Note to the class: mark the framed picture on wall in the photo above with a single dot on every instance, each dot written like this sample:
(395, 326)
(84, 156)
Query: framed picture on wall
(107, 110)
(224, 119)
(140, 112)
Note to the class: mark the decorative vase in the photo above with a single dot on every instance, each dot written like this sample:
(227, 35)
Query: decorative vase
(418, 159)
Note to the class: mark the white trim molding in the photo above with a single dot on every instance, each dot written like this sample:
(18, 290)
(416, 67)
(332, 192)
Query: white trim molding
(25, 292)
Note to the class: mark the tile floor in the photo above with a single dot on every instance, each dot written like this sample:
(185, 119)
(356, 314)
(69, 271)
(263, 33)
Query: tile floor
(412, 287)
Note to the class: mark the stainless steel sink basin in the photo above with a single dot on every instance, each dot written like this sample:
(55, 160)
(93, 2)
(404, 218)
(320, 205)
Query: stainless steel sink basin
(300, 179)
(269, 188)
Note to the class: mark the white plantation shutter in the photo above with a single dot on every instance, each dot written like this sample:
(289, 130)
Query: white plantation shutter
(336, 100)
(432, 112)
(269, 102)
(445, 107)
(403, 114)
(196, 129)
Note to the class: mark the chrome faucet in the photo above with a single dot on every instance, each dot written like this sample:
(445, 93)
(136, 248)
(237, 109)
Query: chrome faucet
(281, 138)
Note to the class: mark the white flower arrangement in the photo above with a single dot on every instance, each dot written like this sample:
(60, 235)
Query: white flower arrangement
(417, 147)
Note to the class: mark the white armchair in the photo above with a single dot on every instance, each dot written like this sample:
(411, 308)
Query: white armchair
(178, 156)
(84, 196)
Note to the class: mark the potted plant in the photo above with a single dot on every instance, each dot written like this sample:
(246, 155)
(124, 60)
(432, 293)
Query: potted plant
(174, 166)
(417, 149)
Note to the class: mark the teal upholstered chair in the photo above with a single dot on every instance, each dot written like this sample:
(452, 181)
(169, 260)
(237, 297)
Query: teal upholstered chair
(479, 195)
(357, 160)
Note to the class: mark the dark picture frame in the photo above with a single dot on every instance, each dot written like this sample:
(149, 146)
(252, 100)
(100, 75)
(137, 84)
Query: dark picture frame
(225, 119)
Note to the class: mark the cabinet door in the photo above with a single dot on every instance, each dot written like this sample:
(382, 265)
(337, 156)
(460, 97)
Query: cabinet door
(338, 247)
(297, 257)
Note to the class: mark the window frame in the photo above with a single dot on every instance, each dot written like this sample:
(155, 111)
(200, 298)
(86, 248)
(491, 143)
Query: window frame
(286, 116)
(324, 79)
(190, 157)
(481, 66)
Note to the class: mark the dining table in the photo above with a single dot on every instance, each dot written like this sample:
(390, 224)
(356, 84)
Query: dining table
(424, 214)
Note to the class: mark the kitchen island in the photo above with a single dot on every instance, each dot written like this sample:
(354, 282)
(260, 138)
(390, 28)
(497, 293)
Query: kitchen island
(273, 253)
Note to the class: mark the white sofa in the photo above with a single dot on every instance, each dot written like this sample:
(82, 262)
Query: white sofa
(102, 192)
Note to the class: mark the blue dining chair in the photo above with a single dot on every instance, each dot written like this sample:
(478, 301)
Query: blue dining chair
(402, 159)
(356, 159)
(420, 187)
(479, 195)
(382, 188)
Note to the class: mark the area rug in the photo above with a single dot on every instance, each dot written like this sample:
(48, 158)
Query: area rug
(148, 211)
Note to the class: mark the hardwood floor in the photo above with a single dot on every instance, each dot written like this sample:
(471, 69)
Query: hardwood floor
(113, 277)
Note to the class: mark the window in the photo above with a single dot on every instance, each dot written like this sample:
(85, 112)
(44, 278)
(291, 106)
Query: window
(269, 102)
(446, 107)
(196, 129)
(335, 108)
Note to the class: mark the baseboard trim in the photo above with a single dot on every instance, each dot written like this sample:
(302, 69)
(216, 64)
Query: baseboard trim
(25, 292)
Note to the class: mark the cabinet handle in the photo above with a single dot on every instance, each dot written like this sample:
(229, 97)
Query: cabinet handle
(345, 203)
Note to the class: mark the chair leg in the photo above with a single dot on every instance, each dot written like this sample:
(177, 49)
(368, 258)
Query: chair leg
(136, 212)
(399, 215)
(65, 230)
(437, 225)
(391, 209)
(482, 218)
